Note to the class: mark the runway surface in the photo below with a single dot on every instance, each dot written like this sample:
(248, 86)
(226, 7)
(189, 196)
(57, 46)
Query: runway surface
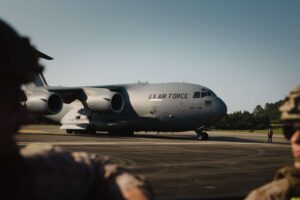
(177, 165)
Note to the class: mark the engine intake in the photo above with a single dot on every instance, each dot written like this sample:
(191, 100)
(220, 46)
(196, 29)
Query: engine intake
(104, 100)
(43, 102)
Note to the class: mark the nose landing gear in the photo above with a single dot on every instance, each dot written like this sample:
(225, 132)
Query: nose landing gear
(201, 135)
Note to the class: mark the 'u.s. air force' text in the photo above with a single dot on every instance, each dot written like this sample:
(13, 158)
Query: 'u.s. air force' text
(169, 96)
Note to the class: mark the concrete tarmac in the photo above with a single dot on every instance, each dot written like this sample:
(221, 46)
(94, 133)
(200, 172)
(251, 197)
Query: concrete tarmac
(228, 165)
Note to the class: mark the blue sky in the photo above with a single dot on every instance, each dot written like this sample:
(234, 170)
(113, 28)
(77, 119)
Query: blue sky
(247, 52)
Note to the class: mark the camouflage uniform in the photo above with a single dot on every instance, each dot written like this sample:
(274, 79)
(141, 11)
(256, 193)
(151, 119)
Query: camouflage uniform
(61, 175)
(41, 171)
(286, 184)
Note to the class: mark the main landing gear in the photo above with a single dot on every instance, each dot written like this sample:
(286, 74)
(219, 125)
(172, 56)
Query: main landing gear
(90, 131)
(126, 133)
(201, 135)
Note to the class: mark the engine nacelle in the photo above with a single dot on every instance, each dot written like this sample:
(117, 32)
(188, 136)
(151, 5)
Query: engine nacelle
(104, 100)
(43, 102)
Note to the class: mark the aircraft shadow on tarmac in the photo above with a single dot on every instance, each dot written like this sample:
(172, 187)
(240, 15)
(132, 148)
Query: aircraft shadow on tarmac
(191, 138)
(237, 139)
(233, 139)
(168, 137)
(186, 138)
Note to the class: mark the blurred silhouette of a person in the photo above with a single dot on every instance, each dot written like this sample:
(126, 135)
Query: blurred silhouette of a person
(47, 172)
(286, 184)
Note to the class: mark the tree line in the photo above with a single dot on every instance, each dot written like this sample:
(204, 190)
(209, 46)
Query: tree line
(260, 118)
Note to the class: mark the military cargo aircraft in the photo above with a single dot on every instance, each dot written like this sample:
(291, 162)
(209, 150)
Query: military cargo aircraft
(124, 109)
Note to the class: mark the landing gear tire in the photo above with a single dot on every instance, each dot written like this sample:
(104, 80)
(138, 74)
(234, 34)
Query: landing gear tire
(121, 133)
(202, 136)
(91, 131)
(70, 131)
(114, 133)
(128, 133)
(83, 132)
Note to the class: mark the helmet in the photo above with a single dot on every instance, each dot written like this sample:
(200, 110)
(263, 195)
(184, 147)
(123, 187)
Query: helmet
(290, 110)
(290, 113)
(18, 59)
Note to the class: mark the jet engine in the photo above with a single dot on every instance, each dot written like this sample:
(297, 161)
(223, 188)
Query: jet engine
(104, 100)
(43, 102)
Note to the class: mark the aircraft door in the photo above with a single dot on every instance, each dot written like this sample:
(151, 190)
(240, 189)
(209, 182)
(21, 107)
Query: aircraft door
(154, 111)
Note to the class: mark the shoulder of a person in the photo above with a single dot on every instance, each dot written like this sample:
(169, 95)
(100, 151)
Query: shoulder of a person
(54, 158)
(274, 190)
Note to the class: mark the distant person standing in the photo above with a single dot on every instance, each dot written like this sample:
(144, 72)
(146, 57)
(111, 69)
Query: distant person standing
(270, 135)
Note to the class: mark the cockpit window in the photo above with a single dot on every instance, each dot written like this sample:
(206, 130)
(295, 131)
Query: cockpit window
(196, 95)
(203, 94)
(213, 94)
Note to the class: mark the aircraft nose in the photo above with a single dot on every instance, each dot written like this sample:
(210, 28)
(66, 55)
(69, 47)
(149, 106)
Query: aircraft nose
(221, 108)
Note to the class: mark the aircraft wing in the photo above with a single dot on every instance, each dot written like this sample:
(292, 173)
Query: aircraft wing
(69, 94)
